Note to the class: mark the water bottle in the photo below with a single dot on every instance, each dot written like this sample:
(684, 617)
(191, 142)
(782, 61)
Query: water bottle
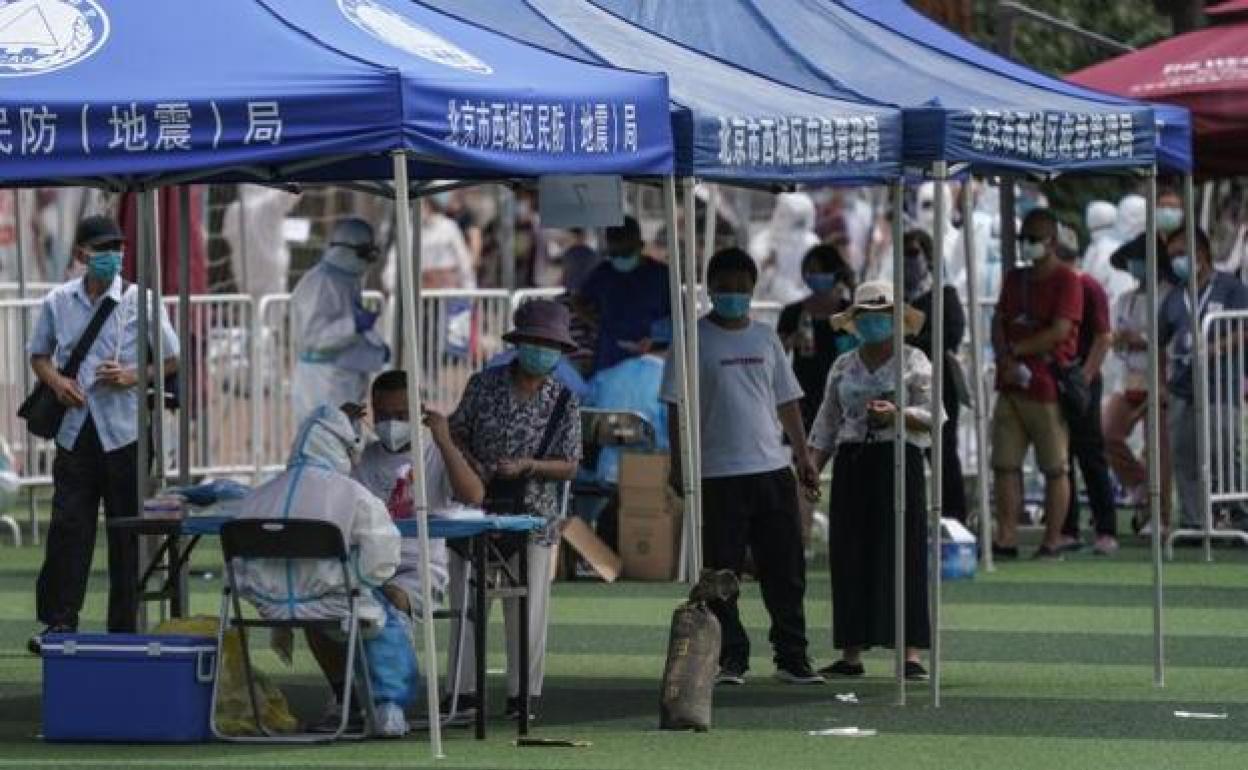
(806, 336)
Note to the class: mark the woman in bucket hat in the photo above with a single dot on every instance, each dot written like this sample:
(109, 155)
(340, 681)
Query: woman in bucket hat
(522, 430)
(855, 425)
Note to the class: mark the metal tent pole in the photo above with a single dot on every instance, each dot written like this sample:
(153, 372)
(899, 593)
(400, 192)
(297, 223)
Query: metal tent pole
(1200, 370)
(28, 439)
(687, 419)
(409, 268)
(1154, 424)
(937, 322)
(979, 394)
(155, 338)
(899, 445)
(184, 335)
(691, 275)
(711, 224)
(141, 350)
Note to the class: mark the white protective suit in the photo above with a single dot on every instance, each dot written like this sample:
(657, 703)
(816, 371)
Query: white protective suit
(380, 470)
(780, 247)
(955, 260)
(986, 220)
(1103, 241)
(316, 485)
(1132, 213)
(253, 226)
(333, 359)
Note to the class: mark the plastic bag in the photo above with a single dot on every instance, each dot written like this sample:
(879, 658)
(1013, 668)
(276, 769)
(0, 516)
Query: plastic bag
(234, 714)
(211, 492)
(391, 658)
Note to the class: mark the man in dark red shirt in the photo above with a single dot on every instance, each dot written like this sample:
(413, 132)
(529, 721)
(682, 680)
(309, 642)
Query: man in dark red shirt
(1087, 442)
(1034, 330)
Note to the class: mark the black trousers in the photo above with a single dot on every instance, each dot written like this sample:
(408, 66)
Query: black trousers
(861, 547)
(1087, 448)
(81, 479)
(952, 483)
(759, 511)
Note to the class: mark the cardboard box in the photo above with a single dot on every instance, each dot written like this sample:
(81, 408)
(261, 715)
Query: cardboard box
(643, 480)
(650, 542)
(582, 540)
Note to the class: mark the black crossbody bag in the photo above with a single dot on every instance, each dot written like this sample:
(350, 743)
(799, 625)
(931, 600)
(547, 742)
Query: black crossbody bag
(42, 410)
(506, 496)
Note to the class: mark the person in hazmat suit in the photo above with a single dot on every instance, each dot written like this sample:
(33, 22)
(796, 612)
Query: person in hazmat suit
(336, 344)
(778, 249)
(316, 485)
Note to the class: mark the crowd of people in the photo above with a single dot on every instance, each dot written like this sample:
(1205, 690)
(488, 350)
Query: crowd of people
(777, 405)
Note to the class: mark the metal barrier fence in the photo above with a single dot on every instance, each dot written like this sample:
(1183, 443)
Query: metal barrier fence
(1221, 357)
(240, 360)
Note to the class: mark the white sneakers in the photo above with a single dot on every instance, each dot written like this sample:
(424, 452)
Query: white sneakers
(391, 721)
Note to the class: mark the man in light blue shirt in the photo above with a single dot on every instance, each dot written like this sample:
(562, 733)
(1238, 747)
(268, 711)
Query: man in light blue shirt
(96, 447)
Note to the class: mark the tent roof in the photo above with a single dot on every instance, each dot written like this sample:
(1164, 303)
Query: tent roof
(955, 108)
(1173, 123)
(731, 125)
(1205, 71)
(146, 92)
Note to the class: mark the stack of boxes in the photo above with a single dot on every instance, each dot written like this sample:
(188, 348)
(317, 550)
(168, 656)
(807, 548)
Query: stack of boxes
(650, 518)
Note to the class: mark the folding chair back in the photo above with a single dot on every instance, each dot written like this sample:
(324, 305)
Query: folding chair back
(297, 540)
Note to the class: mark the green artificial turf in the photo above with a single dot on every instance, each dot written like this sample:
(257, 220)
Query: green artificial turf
(1046, 666)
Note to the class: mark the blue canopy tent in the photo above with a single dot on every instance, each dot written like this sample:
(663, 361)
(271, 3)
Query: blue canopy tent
(961, 105)
(237, 91)
(136, 94)
(730, 126)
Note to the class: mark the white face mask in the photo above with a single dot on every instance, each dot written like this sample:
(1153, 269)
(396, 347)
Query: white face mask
(394, 435)
(1169, 219)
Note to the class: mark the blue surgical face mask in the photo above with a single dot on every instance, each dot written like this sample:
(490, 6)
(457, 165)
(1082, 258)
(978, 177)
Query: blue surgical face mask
(536, 359)
(103, 266)
(822, 283)
(1169, 219)
(731, 306)
(874, 327)
(625, 263)
(1138, 269)
(1181, 264)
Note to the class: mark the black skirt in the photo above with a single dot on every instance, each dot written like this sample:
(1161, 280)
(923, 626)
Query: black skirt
(861, 547)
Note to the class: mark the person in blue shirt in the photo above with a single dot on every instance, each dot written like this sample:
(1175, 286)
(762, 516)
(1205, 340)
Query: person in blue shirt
(633, 386)
(96, 447)
(1217, 292)
(626, 293)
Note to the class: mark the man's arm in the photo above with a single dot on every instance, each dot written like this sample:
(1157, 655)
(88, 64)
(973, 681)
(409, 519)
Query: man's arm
(790, 414)
(66, 389)
(1096, 355)
(1043, 342)
(466, 486)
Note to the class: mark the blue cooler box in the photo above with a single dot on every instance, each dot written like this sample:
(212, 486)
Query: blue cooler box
(127, 687)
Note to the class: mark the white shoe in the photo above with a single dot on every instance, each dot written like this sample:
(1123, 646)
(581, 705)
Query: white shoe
(391, 721)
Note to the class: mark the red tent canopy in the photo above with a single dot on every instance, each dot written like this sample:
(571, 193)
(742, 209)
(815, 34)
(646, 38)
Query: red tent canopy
(1205, 71)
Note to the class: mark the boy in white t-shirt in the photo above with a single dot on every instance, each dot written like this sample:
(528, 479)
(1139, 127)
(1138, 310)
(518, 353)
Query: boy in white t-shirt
(749, 403)
(449, 481)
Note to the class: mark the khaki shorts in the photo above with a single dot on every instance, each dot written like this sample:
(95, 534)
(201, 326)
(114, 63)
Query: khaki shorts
(1019, 422)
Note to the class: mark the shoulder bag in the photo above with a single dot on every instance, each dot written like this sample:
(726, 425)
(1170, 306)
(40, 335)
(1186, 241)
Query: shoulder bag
(42, 410)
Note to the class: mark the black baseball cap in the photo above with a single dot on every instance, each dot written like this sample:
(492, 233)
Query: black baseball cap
(97, 231)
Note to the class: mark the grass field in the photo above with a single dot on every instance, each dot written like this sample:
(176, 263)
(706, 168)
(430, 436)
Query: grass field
(1047, 666)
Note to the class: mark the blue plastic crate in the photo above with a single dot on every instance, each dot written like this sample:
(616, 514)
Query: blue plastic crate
(127, 687)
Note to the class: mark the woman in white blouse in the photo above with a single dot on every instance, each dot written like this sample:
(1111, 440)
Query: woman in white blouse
(855, 425)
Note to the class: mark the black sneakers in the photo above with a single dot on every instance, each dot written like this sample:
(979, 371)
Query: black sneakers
(915, 671)
(843, 668)
(797, 672)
